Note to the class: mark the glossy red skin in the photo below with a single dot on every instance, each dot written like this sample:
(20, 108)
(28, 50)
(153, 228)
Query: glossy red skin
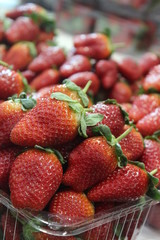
(29, 75)
(121, 92)
(93, 45)
(10, 83)
(71, 206)
(152, 79)
(143, 105)
(42, 46)
(7, 157)
(124, 184)
(46, 78)
(75, 64)
(107, 71)
(45, 36)
(148, 61)
(151, 156)
(90, 163)
(82, 78)
(51, 56)
(130, 69)
(150, 123)
(3, 50)
(21, 10)
(11, 228)
(22, 29)
(34, 178)
(132, 145)
(58, 125)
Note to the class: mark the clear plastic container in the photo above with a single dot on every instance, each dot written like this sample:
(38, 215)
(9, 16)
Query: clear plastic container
(121, 222)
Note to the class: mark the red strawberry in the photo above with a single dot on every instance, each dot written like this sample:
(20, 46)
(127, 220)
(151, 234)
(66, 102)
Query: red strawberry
(46, 78)
(148, 61)
(51, 56)
(126, 107)
(41, 47)
(29, 75)
(22, 29)
(132, 145)
(20, 55)
(71, 206)
(35, 176)
(45, 236)
(11, 112)
(121, 92)
(7, 157)
(75, 64)
(1, 30)
(143, 105)
(11, 228)
(151, 156)
(150, 123)
(82, 78)
(45, 36)
(130, 69)
(3, 50)
(125, 184)
(152, 80)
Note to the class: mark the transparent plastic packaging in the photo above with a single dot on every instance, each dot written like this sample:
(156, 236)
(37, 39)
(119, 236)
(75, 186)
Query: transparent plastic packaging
(123, 222)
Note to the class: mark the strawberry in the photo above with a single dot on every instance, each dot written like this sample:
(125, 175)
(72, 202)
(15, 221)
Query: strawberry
(147, 61)
(130, 69)
(11, 228)
(143, 105)
(22, 29)
(22, 10)
(3, 50)
(75, 64)
(151, 156)
(1, 30)
(41, 47)
(29, 75)
(93, 160)
(126, 107)
(54, 121)
(20, 55)
(51, 56)
(45, 36)
(121, 92)
(35, 176)
(153, 217)
(45, 236)
(7, 157)
(125, 184)
(46, 78)
(71, 206)
(150, 123)
(152, 79)
(132, 145)
(82, 78)
(11, 112)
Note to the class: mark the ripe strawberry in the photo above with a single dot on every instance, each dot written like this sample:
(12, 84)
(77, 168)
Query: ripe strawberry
(150, 123)
(20, 55)
(71, 206)
(151, 156)
(3, 50)
(1, 30)
(51, 56)
(35, 176)
(82, 78)
(41, 47)
(11, 228)
(126, 107)
(152, 79)
(147, 61)
(125, 184)
(22, 10)
(22, 29)
(7, 157)
(44, 36)
(75, 64)
(29, 75)
(11, 112)
(130, 69)
(143, 105)
(93, 160)
(121, 92)
(46, 78)
(132, 145)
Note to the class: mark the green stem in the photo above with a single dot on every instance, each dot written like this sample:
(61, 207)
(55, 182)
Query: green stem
(5, 65)
(88, 110)
(154, 171)
(123, 135)
(85, 89)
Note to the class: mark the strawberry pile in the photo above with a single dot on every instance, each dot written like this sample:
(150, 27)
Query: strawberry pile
(61, 150)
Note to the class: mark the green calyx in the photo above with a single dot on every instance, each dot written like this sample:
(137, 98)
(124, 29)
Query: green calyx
(4, 64)
(7, 22)
(30, 228)
(82, 93)
(105, 131)
(52, 151)
(155, 136)
(84, 119)
(31, 46)
(27, 102)
(118, 231)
